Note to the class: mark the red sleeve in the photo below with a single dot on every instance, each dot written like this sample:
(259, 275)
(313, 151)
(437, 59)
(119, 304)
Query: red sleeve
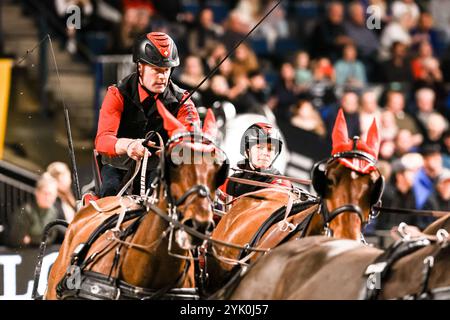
(282, 182)
(223, 187)
(223, 191)
(417, 69)
(188, 114)
(109, 121)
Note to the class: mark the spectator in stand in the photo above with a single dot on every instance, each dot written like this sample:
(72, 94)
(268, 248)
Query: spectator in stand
(204, 37)
(329, 37)
(303, 75)
(350, 72)
(275, 25)
(397, 31)
(428, 73)
(369, 111)
(427, 176)
(387, 150)
(436, 126)
(245, 61)
(425, 101)
(66, 200)
(440, 10)
(136, 21)
(350, 106)
(217, 91)
(238, 94)
(226, 70)
(426, 67)
(259, 90)
(403, 143)
(255, 96)
(64, 11)
(322, 86)
(401, 7)
(285, 93)
(398, 193)
(365, 39)
(427, 183)
(425, 32)
(234, 30)
(247, 11)
(379, 11)
(306, 117)
(215, 55)
(27, 225)
(389, 128)
(192, 74)
(446, 149)
(441, 199)
(396, 104)
(398, 67)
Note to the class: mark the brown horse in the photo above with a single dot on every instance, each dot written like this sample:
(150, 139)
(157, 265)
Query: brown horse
(148, 254)
(349, 183)
(324, 268)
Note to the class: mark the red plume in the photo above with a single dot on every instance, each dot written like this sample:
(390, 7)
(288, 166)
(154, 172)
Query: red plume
(209, 125)
(373, 138)
(171, 124)
(339, 136)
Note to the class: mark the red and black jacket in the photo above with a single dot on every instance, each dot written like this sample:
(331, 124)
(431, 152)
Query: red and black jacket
(129, 111)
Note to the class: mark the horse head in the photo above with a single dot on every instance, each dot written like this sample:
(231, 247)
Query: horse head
(193, 168)
(349, 182)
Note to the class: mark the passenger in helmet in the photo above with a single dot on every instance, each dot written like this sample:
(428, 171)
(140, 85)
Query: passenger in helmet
(261, 144)
(129, 110)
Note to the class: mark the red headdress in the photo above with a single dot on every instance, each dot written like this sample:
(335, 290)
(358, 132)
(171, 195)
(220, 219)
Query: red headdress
(342, 143)
(174, 126)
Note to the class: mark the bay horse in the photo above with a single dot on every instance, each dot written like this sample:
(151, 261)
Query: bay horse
(147, 255)
(415, 267)
(349, 185)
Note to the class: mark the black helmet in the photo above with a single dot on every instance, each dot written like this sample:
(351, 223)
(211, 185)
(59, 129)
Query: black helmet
(156, 48)
(259, 133)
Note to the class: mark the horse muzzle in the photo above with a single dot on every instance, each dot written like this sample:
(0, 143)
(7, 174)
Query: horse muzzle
(187, 240)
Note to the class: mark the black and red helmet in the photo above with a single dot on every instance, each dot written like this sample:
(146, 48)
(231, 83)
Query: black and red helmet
(156, 48)
(261, 133)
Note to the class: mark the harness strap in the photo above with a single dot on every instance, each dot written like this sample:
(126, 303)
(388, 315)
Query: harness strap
(382, 265)
(127, 185)
(274, 218)
(81, 251)
(97, 286)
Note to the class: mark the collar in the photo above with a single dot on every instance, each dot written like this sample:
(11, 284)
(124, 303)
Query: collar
(143, 94)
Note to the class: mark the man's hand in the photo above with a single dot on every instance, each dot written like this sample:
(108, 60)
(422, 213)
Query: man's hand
(132, 147)
(135, 149)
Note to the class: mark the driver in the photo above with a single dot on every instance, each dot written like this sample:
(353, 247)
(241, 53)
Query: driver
(260, 145)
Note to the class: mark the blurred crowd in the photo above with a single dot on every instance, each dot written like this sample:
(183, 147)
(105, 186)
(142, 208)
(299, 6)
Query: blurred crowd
(374, 58)
(53, 199)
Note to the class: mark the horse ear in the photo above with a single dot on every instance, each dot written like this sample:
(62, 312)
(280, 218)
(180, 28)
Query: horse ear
(340, 132)
(171, 124)
(209, 125)
(373, 138)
